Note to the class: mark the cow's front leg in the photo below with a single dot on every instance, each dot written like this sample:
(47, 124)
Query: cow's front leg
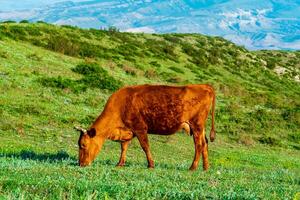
(124, 147)
(143, 139)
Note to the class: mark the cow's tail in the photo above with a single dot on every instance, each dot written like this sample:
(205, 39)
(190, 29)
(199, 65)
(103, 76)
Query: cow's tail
(212, 130)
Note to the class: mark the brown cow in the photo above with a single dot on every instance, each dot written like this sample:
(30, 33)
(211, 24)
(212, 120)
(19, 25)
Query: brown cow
(156, 109)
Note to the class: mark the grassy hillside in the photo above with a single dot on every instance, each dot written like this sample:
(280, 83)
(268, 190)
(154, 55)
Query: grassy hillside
(53, 78)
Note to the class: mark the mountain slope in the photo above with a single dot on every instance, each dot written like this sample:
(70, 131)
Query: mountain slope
(253, 100)
(52, 78)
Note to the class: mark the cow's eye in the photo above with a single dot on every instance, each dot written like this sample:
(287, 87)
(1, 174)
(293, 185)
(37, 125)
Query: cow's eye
(82, 146)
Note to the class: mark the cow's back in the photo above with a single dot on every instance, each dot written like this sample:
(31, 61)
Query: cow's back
(161, 109)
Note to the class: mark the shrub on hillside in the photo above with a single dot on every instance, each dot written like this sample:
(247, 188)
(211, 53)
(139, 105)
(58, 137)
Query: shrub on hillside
(175, 79)
(63, 45)
(192, 67)
(102, 81)
(150, 73)
(69, 27)
(189, 49)
(96, 77)
(292, 115)
(166, 75)
(170, 77)
(15, 32)
(161, 49)
(130, 70)
(246, 140)
(271, 63)
(202, 42)
(3, 54)
(38, 42)
(197, 56)
(41, 22)
(93, 51)
(24, 21)
(9, 22)
(95, 32)
(214, 55)
(199, 61)
(129, 51)
(176, 69)
(58, 82)
(269, 140)
(124, 38)
(113, 29)
(155, 64)
(34, 56)
(32, 30)
(172, 38)
(62, 83)
(88, 69)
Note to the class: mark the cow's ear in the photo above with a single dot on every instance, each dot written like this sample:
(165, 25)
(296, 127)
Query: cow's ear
(92, 132)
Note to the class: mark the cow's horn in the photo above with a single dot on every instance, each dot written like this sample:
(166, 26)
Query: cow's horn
(80, 129)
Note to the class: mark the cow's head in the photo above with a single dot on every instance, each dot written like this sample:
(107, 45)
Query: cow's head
(89, 145)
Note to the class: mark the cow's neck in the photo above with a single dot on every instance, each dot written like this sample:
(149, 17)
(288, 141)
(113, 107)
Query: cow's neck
(105, 126)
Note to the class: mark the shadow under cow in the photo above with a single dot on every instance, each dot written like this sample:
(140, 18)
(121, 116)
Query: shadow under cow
(62, 156)
(43, 157)
(140, 165)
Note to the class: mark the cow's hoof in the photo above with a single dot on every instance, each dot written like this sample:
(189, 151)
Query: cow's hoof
(120, 165)
(150, 166)
(193, 168)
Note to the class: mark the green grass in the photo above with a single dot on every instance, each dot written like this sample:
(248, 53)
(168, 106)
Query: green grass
(236, 172)
(47, 87)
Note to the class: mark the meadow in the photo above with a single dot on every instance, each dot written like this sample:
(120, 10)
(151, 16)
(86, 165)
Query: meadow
(56, 77)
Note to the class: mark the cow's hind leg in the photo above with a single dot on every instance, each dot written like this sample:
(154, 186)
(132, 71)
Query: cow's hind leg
(124, 147)
(205, 152)
(143, 139)
(198, 148)
(201, 147)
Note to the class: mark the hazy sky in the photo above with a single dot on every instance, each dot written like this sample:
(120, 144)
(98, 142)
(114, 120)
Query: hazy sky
(8, 5)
